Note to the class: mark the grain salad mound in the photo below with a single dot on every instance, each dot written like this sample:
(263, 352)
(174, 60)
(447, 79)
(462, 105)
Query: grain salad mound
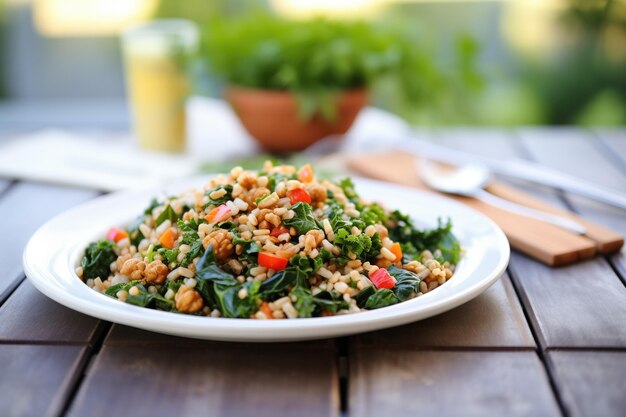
(275, 244)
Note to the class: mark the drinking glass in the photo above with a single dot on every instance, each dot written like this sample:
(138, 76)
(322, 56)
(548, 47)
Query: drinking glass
(156, 57)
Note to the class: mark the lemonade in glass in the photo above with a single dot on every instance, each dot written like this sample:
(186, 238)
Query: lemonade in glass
(156, 55)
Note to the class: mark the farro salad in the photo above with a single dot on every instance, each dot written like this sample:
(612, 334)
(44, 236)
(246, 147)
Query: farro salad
(273, 244)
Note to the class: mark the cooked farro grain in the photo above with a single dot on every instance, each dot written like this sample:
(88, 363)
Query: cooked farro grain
(302, 246)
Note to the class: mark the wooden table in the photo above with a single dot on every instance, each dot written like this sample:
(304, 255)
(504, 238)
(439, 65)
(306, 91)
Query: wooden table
(540, 342)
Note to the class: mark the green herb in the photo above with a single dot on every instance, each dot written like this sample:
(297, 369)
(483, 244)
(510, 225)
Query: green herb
(363, 295)
(372, 214)
(369, 215)
(194, 251)
(144, 299)
(228, 225)
(357, 244)
(439, 238)
(332, 302)
(232, 306)
(171, 284)
(167, 214)
(296, 274)
(448, 244)
(274, 179)
(97, 259)
(409, 252)
(208, 274)
(308, 305)
(377, 245)
(282, 280)
(223, 199)
(150, 254)
(336, 216)
(407, 282)
(114, 289)
(154, 203)
(320, 259)
(134, 233)
(304, 302)
(303, 221)
(207, 270)
(347, 186)
(170, 255)
(263, 197)
(206, 289)
(250, 250)
(381, 298)
(189, 229)
(220, 289)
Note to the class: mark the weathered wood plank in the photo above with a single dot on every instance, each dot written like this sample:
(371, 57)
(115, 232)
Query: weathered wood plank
(448, 383)
(572, 306)
(36, 380)
(213, 380)
(23, 208)
(591, 383)
(581, 305)
(126, 335)
(29, 316)
(494, 319)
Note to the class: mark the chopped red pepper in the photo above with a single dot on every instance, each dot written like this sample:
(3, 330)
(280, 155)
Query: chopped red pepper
(218, 214)
(271, 261)
(299, 194)
(381, 279)
(277, 231)
(114, 234)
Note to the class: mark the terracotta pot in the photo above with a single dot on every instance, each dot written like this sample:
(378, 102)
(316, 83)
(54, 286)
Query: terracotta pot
(272, 117)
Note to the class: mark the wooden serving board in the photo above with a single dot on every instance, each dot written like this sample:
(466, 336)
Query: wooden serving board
(547, 243)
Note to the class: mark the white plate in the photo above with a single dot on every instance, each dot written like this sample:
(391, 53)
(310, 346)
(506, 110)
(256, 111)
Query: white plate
(54, 251)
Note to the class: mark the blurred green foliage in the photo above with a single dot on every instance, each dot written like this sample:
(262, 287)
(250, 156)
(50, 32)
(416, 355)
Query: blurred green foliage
(585, 83)
(318, 58)
(201, 11)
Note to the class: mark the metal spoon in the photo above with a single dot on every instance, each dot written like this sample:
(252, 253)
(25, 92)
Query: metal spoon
(470, 180)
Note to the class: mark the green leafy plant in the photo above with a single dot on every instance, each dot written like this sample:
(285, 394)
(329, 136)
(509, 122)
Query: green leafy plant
(318, 59)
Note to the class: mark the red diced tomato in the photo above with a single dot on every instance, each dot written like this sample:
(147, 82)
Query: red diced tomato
(277, 231)
(115, 235)
(218, 214)
(271, 261)
(381, 279)
(299, 194)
